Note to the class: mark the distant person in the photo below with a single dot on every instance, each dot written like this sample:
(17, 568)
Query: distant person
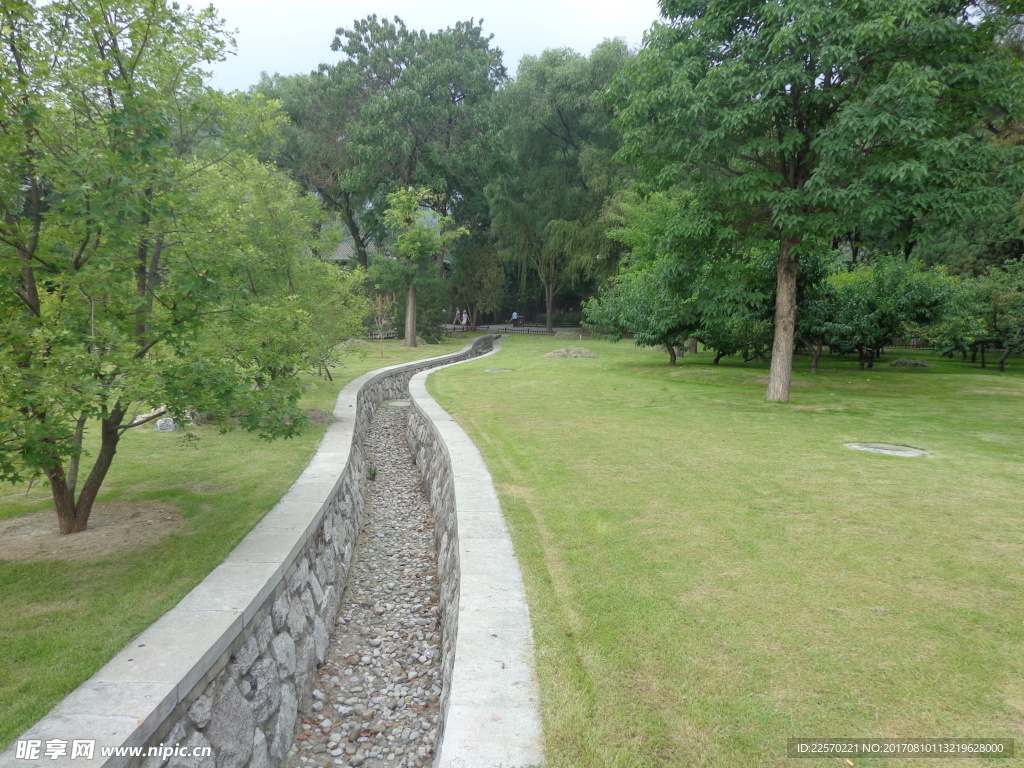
(465, 320)
(458, 316)
(515, 319)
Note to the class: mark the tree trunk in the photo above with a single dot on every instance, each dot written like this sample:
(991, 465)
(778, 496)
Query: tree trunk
(1003, 358)
(982, 355)
(718, 357)
(691, 345)
(64, 502)
(410, 317)
(816, 354)
(671, 353)
(549, 301)
(73, 515)
(780, 376)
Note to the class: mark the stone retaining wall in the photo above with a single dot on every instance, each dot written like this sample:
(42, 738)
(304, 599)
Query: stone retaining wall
(490, 697)
(227, 667)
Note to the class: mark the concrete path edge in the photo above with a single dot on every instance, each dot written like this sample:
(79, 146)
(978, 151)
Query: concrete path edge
(491, 716)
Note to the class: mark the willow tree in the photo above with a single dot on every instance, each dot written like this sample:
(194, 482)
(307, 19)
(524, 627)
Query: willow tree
(558, 170)
(799, 120)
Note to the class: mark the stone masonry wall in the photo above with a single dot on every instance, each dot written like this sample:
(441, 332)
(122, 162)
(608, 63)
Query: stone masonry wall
(431, 456)
(228, 667)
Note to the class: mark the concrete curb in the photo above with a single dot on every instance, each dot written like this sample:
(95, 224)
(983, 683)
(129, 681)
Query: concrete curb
(491, 701)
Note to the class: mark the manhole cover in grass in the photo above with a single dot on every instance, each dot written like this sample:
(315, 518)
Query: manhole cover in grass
(886, 448)
(498, 370)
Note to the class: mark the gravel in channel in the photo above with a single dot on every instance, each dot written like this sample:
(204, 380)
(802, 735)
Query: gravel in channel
(376, 702)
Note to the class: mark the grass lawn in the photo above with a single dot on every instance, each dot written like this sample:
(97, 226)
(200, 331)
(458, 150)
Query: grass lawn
(60, 621)
(710, 574)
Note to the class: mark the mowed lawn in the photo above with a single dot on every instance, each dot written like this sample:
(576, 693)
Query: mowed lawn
(710, 575)
(61, 620)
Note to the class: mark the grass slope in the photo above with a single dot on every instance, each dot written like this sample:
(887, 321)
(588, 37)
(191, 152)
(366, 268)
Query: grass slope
(61, 621)
(710, 574)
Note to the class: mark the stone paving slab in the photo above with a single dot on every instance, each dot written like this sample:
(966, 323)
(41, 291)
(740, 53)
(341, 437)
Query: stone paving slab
(498, 736)
(235, 586)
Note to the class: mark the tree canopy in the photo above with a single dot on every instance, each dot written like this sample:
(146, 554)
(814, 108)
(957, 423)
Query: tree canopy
(135, 223)
(799, 121)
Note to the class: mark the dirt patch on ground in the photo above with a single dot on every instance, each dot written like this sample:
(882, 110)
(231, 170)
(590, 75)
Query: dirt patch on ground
(316, 416)
(569, 352)
(112, 528)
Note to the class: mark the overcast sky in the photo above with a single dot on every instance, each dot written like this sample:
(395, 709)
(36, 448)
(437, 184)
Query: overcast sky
(294, 36)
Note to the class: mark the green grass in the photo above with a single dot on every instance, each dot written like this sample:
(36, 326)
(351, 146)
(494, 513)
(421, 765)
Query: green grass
(710, 574)
(62, 620)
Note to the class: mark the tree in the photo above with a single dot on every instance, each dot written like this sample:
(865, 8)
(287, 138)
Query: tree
(891, 298)
(318, 152)
(800, 120)
(558, 172)
(297, 310)
(403, 108)
(1003, 292)
(119, 256)
(639, 301)
(417, 239)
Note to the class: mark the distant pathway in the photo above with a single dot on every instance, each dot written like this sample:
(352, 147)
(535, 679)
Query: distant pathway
(376, 702)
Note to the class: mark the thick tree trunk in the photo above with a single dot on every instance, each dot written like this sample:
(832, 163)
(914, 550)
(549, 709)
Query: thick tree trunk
(691, 345)
(64, 502)
(410, 317)
(73, 515)
(780, 376)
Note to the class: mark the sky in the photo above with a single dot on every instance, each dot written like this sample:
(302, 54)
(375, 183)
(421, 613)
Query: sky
(293, 36)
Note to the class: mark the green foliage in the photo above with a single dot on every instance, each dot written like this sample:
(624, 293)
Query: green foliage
(1001, 295)
(891, 298)
(639, 301)
(477, 279)
(800, 121)
(134, 226)
(558, 171)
